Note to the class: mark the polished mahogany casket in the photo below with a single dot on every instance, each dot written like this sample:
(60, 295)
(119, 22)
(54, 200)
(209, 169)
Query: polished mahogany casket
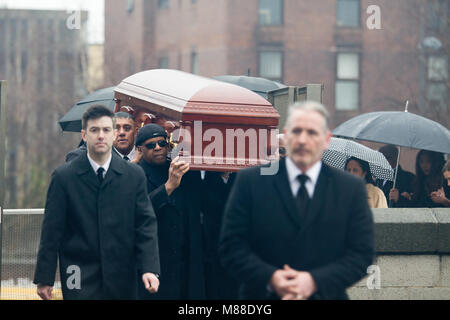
(212, 124)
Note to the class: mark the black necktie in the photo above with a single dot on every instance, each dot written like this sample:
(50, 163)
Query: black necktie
(126, 158)
(302, 197)
(100, 174)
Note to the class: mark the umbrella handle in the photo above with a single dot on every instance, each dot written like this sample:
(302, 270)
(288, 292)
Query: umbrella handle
(395, 173)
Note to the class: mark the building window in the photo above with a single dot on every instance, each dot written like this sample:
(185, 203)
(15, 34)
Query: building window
(270, 12)
(438, 68)
(130, 6)
(194, 62)
(271, 65)
(347, 81)
(437, 11)
(437, 74)
(163, 4)
(163, 63)
(348, 13)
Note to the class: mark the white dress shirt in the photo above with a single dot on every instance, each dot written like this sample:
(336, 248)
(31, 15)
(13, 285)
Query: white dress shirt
(130, 155)
(95, 165)
(293, 171)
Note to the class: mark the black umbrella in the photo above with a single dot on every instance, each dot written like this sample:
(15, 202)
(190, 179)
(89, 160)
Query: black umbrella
(71, 121)
(340, 150)
(403, 129)
(398, 128)
(258, 85)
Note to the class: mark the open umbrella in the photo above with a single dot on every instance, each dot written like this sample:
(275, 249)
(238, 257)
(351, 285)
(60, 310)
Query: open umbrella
(403, 129)
(398, 128)
(340, 150)
(258, 85)
(71, 121)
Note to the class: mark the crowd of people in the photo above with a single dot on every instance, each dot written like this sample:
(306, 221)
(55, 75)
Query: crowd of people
(140, 225)
(427, 189)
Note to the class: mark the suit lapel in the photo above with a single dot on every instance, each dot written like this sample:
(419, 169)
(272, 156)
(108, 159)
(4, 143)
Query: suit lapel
(84, 170)
(281, 182)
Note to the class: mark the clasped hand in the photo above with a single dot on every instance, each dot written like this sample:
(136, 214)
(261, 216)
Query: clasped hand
(291, 284)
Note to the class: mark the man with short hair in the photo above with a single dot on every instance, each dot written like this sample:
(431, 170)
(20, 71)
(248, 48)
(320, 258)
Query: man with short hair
(126, 135)
(103, 235)
(174, 192)
(305, 232)
(123, 142)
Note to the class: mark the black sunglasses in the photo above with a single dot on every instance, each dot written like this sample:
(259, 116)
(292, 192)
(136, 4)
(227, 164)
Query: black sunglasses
(152, 145)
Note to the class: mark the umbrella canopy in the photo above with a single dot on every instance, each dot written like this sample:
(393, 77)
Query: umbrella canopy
(258, 85)
(340, 150)
(71, 121)
(398, 128)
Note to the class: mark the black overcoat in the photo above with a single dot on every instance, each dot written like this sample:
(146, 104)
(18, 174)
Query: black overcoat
(108, 231)
(179, 233)
(220, 285)
(262, 231)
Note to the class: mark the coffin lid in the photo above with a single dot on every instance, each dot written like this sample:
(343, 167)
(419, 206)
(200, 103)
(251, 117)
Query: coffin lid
(177, 90)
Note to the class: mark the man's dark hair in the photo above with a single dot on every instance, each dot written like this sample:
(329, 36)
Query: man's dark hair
(95, 112)
(125, 115)
(389, 151)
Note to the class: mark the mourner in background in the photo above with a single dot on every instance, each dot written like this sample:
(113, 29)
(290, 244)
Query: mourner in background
(126, 128)
(361, 168)
(281, 146)
(81, 149)
(397, 197)
(442, 195)
(428, 179)
(103, 234)
(305, 232)
(175, 195)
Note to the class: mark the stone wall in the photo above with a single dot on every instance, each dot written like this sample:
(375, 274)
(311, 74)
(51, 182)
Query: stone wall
(412, 261)
(413, 256)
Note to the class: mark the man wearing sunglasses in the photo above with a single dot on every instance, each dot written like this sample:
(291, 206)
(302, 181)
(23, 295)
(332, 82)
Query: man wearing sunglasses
(174, 192)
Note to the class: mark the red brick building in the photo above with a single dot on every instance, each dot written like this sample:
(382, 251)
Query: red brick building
(370, 55)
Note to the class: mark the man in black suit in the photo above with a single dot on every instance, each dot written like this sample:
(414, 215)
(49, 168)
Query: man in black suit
(174, 192)
(80, 150)
(398, 197)
(304, 232)
(104, 234)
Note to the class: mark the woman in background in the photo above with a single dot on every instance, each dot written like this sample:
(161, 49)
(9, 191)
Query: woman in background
(442, 196)
(428, 179)
(360, 168)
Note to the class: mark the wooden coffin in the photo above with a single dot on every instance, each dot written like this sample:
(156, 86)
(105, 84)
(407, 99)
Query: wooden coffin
(214, 125)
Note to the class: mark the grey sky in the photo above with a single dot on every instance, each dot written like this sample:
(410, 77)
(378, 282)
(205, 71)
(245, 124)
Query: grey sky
(96, 22)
